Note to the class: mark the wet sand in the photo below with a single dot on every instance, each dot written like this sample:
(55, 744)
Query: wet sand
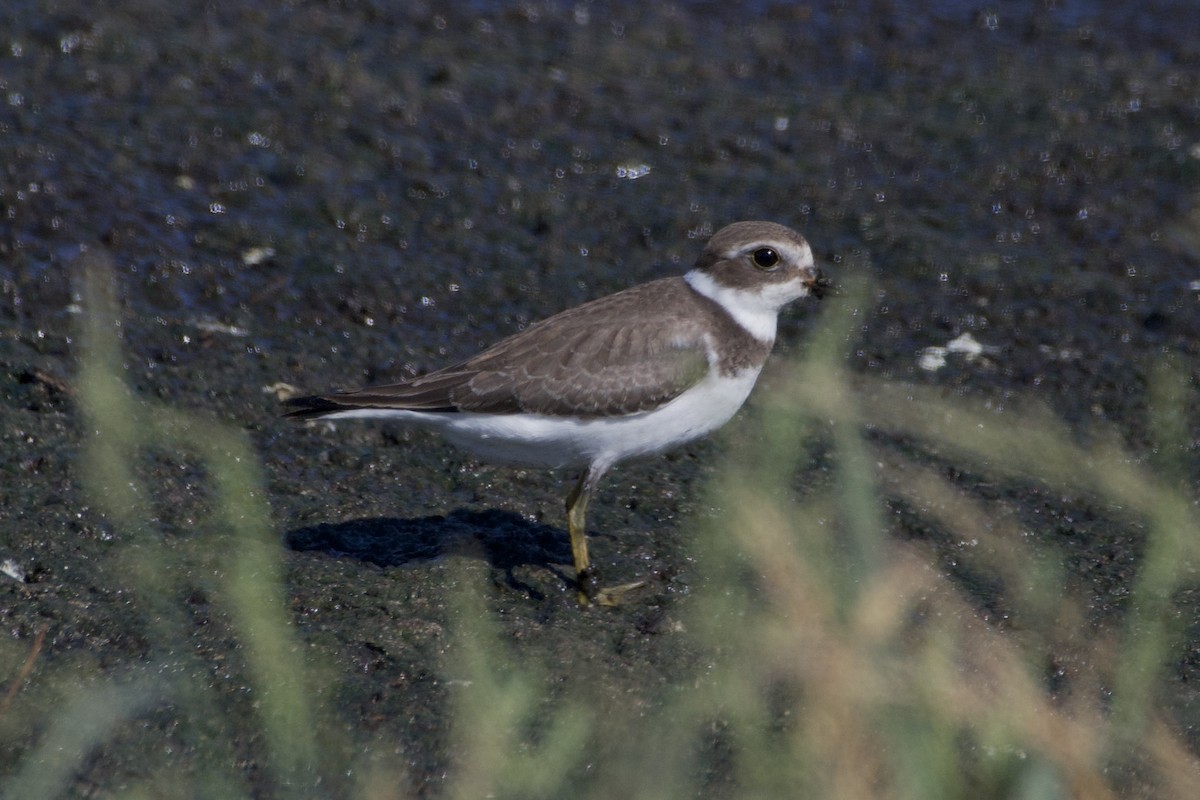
(330, 197)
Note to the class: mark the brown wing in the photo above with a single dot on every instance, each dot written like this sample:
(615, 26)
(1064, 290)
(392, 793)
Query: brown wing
(621, 354)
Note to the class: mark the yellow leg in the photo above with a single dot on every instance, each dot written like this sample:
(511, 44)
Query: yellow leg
(585, 577)
(577, 503)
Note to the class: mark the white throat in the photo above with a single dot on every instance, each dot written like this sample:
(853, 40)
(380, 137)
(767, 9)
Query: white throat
(755, 310)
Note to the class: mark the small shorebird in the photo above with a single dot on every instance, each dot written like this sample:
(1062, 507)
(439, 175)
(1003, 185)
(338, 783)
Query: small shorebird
(633, 374)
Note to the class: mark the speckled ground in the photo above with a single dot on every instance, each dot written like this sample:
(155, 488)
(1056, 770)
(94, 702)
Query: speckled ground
(334, 194)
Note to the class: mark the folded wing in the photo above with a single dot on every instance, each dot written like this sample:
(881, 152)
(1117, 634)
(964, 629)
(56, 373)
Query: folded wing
(621, 354)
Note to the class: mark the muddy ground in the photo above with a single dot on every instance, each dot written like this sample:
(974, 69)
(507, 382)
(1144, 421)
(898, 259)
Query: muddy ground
(328, 195)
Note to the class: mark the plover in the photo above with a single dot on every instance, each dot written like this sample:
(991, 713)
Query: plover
(629, 375)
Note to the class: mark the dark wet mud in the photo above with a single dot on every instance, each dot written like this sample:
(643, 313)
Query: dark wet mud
(329, 195)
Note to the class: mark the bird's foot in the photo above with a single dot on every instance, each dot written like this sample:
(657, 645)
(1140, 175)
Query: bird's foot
(615, 595)
(592, 593)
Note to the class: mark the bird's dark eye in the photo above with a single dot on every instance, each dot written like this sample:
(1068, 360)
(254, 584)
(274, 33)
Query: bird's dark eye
(765, 257)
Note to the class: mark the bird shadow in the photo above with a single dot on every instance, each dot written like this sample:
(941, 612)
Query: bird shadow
(506, 540)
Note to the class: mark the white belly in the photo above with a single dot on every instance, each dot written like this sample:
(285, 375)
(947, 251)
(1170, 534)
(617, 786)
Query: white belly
(543, 441)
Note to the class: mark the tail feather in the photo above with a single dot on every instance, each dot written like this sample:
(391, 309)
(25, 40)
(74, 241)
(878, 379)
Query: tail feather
(316, 406)
(311, 407)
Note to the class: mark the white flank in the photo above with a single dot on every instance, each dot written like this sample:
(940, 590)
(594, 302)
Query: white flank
(539, 440)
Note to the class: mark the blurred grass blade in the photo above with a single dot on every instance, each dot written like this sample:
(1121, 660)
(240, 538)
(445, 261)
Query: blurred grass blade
(112, 432)
(1151, 630)
(253, 582)
(119, 428)
(497, 697)
(873, 676)
(79, 729)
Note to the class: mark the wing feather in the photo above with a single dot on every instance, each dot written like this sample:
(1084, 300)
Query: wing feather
(621, 354)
